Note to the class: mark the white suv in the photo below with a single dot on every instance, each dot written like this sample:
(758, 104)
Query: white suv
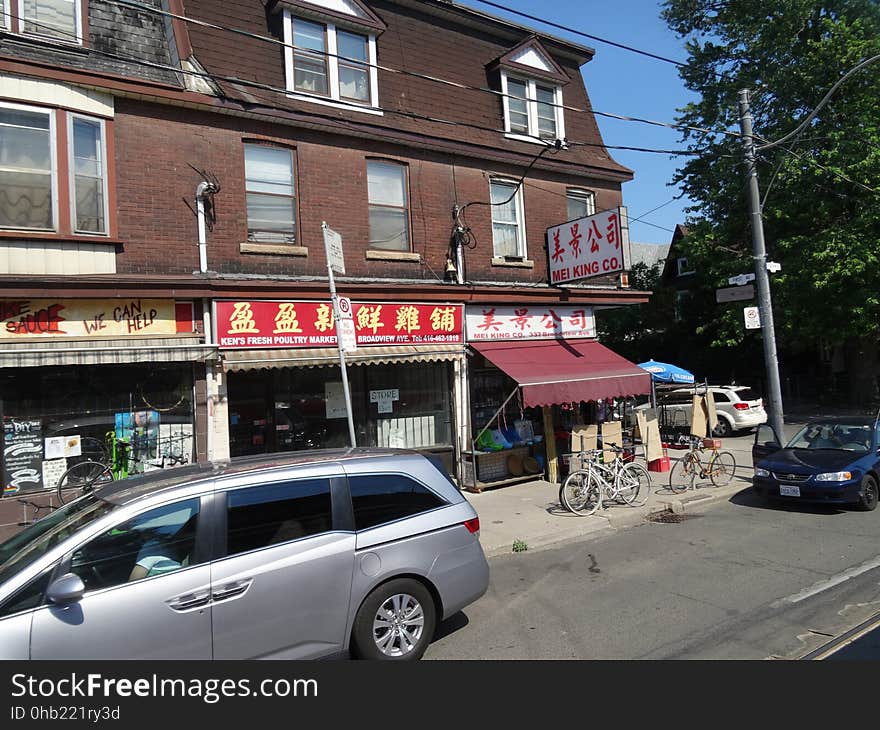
(738, 407)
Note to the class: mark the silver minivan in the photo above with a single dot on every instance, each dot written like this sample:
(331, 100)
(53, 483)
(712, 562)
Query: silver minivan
(348, 552)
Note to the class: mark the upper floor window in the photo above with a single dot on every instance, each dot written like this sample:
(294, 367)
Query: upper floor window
(330, 64)
(532, 108)
(508, 229)
(271, 203)
(684, 268)
(389, 215)
(581, 203)
(32, 164)
(57, 19)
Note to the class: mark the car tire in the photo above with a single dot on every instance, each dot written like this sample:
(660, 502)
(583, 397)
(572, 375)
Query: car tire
(868, 499)
(395, 622)
(722, 429)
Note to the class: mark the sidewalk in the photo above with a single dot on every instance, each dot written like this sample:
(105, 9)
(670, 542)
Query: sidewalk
(531, 512)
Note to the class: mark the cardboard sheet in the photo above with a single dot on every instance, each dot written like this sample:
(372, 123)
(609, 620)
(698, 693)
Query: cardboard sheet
(612, 433)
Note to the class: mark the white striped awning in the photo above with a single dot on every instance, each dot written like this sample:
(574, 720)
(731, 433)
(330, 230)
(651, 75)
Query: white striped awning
(119, 351)
(237, 360)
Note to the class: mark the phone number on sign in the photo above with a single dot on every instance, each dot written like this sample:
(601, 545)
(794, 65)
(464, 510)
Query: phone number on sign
(64, 712)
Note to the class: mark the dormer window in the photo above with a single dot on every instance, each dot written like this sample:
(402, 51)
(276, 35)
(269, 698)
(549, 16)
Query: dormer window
(531, 89)
(57, 19)
(330, 56)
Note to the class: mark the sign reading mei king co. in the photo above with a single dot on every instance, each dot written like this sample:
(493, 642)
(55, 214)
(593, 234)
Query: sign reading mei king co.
(44, 318)
(264, 324)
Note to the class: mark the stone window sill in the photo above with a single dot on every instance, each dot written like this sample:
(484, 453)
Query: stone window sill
(273, 249)
(382, 255)
(524, 264)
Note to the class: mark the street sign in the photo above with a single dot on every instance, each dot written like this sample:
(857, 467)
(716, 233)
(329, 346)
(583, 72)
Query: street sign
(333, 248)
(734, 294)
(773, 267)
(741, 280)
(346, 333)
(344, 308)
(753, 318)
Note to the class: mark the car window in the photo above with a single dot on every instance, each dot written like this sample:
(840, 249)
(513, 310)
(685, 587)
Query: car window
(36, 540)
(721, 397)
(28, 596)
(381, 498)
(271, 514)
(747, 394)
(841, 436)
(161, 540)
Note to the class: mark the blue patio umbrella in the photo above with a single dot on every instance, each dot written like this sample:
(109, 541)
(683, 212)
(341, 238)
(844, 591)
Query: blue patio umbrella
(662, 372)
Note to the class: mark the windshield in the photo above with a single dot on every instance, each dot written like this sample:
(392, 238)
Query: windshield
(36, 540)
(839, 436)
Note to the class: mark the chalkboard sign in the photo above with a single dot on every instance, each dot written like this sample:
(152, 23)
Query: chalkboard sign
(22, 455)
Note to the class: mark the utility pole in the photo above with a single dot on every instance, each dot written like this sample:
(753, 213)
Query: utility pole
(762, 279)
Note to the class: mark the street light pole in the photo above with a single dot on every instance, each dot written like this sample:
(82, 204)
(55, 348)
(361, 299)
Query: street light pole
(762, 279)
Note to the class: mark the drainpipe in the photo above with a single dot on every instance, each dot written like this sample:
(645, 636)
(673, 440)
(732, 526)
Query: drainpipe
(202, 191)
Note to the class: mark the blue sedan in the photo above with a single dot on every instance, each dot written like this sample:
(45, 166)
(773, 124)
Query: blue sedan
(832, 461)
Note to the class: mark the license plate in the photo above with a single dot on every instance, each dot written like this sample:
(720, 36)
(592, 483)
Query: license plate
(789, 491)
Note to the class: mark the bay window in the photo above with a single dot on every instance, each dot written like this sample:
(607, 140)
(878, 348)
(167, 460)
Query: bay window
(88, 175)
(581, 203)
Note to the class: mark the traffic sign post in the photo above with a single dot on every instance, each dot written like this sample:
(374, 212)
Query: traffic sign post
(335, 261)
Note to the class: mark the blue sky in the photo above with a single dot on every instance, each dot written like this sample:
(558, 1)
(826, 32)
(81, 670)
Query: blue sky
(622, 82)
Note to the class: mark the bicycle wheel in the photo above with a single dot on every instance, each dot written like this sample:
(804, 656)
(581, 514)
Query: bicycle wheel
(92, 449)
(580, 493)
(82, 478)
(682, 474)
(722, 468)
(634, 484)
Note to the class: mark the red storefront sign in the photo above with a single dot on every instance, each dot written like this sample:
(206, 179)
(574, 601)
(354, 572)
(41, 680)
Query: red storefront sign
(263, 324)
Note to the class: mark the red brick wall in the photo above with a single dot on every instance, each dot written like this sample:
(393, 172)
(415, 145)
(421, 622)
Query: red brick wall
(155, 145)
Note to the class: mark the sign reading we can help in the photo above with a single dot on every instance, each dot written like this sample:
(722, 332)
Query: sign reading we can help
(597, 245)
(22, 319)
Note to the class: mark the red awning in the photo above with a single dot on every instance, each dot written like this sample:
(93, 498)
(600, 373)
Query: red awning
(565, 371)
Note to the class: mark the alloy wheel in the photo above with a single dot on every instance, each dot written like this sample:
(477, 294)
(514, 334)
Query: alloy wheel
(398, 625)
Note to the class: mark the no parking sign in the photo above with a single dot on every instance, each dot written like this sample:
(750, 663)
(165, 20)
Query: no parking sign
(752, 317)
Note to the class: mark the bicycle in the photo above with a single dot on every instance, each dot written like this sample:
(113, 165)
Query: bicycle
(25, 503)
(584, 491)
(87, 475)
(719, 468)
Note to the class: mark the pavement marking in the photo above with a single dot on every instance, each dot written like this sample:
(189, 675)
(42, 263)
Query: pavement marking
(829, 583)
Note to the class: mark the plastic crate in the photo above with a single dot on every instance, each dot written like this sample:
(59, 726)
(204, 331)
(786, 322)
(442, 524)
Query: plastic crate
(711, 443)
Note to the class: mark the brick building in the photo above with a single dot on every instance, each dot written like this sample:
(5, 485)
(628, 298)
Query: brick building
(395, 122)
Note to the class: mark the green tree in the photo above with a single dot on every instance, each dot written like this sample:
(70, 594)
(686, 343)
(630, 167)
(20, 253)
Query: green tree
(822, 206)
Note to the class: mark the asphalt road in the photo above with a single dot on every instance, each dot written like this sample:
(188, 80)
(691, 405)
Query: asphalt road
(736, 580)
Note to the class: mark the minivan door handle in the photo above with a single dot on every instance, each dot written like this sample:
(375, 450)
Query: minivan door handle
(230, 590)
(189, 600)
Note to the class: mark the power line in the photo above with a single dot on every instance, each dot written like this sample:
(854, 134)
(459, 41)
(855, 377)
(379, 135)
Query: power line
(352, 105)
(415, 74)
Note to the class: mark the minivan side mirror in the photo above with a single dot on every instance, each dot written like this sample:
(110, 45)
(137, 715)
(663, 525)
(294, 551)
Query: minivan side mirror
(66, 590)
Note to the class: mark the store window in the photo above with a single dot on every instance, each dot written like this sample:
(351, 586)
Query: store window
(61, 415)
(292, 409)
(389, 216)
(508, 229)
(580, 203)
(271, 202)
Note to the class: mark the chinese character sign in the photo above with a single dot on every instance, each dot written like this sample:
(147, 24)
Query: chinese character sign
(597, 245)
(490, 322)
(259, 324)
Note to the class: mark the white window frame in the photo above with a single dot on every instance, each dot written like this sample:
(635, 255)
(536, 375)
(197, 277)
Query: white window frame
(582, 194)
(521, 242)
(78, 17)
(532, 105)
(71, 172)
(333, 99)
(53, 156)
(6, 16)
